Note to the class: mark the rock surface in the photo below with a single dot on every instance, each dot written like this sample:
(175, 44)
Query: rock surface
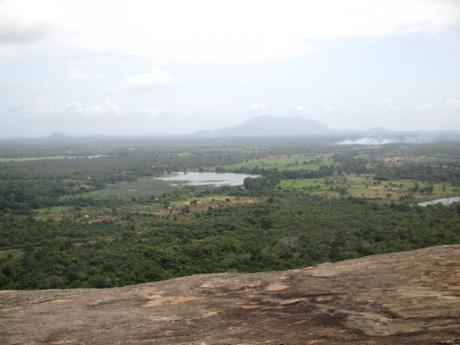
(402, 298)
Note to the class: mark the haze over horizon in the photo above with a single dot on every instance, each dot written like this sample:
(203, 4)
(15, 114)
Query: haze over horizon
(119, 67)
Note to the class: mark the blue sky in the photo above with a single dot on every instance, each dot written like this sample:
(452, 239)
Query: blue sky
(146, 67)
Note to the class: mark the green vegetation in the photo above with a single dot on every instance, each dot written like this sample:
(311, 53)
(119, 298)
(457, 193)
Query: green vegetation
(141, 188)
(294, 162)
(104, 221)
(366, 186)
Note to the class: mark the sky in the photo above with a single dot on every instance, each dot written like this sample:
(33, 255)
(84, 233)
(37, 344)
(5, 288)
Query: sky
(176, 66)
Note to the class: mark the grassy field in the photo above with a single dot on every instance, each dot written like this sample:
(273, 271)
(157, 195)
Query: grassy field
(144, 187)
(314, 185)
(129, 211)
(283, 162)
(365, 186)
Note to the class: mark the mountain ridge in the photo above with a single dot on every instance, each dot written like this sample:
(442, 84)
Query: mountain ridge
(267, 125)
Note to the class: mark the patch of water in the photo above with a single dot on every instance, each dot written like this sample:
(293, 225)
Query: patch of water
(443, 201)
(205, 178)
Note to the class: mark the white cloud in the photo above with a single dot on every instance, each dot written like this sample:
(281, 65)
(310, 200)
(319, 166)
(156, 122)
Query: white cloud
(453, 102)
(424, 107)
(390, 105)
(227, 30)
(249, 79)
(106, 107)
(259, 107)
(42, 107)
(156, 111)
(329, 108)
(39, 107)
(151, 80)
(76, 73)
(18, 32)
(8, 53)
(366, 141)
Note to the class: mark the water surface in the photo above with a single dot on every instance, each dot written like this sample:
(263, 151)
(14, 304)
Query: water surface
(443, 201)
(205, 178)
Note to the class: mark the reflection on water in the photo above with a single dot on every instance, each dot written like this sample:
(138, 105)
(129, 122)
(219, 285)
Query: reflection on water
(443, 201)
(205, 178)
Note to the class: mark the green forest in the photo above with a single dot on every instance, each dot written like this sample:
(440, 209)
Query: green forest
(92, 213)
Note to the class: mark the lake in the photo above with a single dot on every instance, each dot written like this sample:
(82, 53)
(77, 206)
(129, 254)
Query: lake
(443, 201)
(205, 178)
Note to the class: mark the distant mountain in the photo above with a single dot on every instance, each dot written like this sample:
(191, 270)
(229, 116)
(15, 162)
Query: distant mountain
(57, 136)
(270, 126)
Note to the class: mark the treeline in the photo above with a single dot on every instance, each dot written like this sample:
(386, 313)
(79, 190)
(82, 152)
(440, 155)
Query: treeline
(434, 172)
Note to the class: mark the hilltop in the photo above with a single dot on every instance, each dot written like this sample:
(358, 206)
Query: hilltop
(270, 126)
(401, 298)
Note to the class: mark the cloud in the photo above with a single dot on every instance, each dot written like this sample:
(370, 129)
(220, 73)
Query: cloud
(366, 141)
(17, 33)
(41, 108)
(143, 82)
(249, 78)
(42, 105)
(227, 30)
(259, 107)
(106, 107)
(453, 102)
(76, 73)
(390, 105)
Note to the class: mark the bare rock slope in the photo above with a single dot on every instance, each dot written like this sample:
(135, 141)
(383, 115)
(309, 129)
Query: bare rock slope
(402, 298)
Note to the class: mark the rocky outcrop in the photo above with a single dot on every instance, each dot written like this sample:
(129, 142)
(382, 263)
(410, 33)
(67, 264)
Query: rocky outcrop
(403, 298)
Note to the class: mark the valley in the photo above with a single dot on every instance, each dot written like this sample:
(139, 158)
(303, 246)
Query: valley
(123, 219)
